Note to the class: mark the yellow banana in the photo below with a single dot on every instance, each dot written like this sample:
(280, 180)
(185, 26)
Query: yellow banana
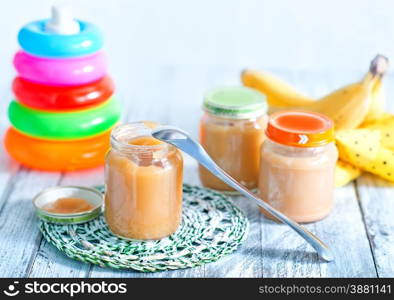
(377, 108)
(344, 173)
(386, 128)
(348, 106)
(363, 148)
(278, 92)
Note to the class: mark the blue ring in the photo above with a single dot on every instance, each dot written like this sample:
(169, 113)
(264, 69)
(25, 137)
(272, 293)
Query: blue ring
(35, 40)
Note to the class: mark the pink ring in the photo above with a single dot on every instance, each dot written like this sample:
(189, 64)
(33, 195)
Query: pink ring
(60, 72)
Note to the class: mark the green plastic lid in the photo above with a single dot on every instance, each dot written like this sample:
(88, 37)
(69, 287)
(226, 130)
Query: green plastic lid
(235, 102)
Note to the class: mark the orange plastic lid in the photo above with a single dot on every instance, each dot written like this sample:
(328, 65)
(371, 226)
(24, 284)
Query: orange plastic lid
(300, 129)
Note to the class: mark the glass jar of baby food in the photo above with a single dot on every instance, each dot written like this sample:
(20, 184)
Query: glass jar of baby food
(297, 165)
(232, 131)
(143, 178)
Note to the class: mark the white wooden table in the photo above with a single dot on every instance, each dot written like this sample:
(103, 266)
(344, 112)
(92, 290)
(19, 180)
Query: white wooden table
(360, 229)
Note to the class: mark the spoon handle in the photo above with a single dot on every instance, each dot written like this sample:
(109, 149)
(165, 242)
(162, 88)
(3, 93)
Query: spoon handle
(202, 156)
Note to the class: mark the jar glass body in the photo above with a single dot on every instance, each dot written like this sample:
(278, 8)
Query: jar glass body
(234, 144)
(298, 181)
(143, 198)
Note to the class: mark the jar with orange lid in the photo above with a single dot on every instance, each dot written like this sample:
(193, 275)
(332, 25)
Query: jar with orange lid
(297, 165)
(143, 178)
(232, 131)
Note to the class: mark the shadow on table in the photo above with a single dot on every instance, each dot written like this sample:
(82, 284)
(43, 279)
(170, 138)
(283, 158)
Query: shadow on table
(297, 256)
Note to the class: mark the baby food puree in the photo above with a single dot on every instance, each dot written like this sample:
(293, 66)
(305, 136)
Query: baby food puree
(297, 165)
(68, 205)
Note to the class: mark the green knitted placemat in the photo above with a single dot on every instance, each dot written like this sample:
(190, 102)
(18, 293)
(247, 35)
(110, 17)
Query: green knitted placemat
(212, 226)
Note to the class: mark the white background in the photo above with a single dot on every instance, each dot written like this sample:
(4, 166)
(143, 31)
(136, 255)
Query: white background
(276, 34)
(313, 35)
(164, 55)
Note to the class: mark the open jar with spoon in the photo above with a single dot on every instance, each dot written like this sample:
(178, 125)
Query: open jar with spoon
(143, 179)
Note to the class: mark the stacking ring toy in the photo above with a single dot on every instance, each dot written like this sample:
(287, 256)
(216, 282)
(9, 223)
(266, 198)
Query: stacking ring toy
(50, 155)
(46, 97)
(35, 40)
(65, 125)
(70, 71)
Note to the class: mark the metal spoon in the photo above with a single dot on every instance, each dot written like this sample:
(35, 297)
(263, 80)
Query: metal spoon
(184, 142)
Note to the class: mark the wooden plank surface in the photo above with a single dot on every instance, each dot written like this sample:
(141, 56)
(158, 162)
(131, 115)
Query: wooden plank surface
(376, 198)
(377, 203)
(19, 235)
(344, 231)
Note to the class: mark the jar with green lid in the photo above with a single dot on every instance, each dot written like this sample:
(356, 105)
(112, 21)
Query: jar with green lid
(232, 132)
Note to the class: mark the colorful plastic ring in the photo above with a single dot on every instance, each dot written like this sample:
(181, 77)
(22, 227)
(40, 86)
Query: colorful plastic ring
(70, 71)
(34, 39)
(65, 125)
(50, 155)
(46, 97)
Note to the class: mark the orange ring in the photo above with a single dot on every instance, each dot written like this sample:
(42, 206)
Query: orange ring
(53, 155)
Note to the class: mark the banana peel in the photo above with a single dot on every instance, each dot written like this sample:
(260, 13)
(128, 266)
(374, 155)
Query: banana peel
(363, 148)
(386, 128)
(345, 173)
(380, 133)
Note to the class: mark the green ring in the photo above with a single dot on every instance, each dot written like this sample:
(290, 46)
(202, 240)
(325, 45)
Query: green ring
(64, 125)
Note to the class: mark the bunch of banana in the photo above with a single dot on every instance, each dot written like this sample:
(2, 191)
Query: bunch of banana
(348, 107)
(357, 105)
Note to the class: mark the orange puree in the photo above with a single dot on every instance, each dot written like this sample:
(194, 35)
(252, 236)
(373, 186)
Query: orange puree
(145, 141)
(143, 197)
(68, 206)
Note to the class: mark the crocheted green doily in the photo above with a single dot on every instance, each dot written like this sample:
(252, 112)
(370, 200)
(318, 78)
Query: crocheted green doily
(212, 226)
